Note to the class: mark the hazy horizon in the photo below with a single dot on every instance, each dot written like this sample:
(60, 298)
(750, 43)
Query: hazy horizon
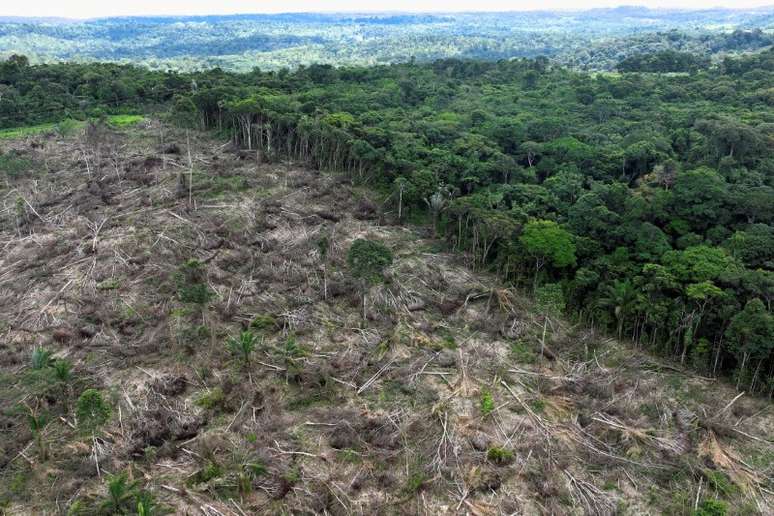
(87, 9)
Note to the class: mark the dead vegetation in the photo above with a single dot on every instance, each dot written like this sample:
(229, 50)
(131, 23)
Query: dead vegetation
(135, 265)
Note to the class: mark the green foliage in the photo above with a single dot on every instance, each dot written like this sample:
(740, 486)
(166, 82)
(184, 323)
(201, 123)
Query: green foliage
(13, 165)
(367, 260)
(600, 39)
(522, 353)
(550, 298)
(125, 120)
(191, 283)
(264, 323)
(720, 482)
(147, 505)
(486, 404)
(415, 482)
(210, 471)
(499, 456)
(92, 410)
(121, 493)
(37, 422)
(711, 508)
(41, 358)
(548, 243)
(243, 346)
(211, 399)
(67, 127)
(62, 370)
(108, 284)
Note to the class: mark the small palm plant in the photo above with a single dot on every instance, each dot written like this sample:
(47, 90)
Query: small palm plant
(41, 358)
(147, 506)
(121, 492)
(62, 374)
(62, 371)
(243, 346)
(37, 424)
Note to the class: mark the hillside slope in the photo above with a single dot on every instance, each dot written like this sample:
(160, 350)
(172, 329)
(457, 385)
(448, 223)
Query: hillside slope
(441, 402)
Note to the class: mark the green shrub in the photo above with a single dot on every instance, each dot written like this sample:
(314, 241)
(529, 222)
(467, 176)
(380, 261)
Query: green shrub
(720, 482)
(14, 166)
(487, 404)
(120, 493)
(264, 323)
(550, 298)
(211, 399)
(67, 127)
(537, 405)
(499, 456)
(40, 359)
(711, 508)
(415, 482)
(522, 353)
(191, 283)
(37, 423)
(108, 284)
(209, 472)
(92, 410)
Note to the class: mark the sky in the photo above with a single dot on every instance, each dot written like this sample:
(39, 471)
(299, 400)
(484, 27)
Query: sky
(101, 8)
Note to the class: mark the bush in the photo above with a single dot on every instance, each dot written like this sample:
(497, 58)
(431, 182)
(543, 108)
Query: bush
(499, 456)
(211, 399)
(264, 323)
(92, 410)
(66, 127)
(41, 358)
(487, 403)
(191, 283)
(368, 259)
(711, 508)
(550, 298)
(14, 166)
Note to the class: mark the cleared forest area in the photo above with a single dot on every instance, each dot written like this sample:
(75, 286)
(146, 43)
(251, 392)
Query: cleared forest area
(182, 330)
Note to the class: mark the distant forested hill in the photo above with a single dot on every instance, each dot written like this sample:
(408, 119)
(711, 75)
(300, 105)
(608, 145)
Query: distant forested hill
(597, 39)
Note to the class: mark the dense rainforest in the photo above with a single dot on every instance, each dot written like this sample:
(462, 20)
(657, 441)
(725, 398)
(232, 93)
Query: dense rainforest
(642, 203)
(595, 39)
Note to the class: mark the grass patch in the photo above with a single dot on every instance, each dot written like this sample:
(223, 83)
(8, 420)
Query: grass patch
(21, 132)
(108, 284)
(117, 121)
(212, 399)
(349, 455)
(522, 353)
(124, 120)
(415, 482)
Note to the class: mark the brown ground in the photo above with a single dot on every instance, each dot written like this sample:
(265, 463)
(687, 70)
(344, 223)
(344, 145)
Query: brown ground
(332, 415)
